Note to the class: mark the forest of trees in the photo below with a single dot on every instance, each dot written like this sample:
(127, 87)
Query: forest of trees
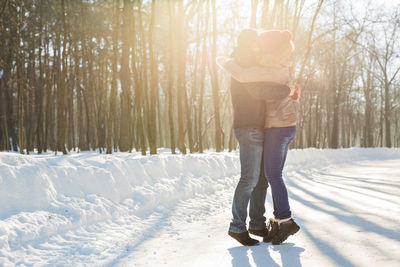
(137, 75)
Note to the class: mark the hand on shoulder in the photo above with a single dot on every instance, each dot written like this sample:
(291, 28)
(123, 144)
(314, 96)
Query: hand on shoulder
(294, 92)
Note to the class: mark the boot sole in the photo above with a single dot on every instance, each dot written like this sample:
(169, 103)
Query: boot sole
(253, 233)
(244, 244)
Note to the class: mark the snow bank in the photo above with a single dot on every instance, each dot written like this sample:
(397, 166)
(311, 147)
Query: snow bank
(42, 195)
(40, 182)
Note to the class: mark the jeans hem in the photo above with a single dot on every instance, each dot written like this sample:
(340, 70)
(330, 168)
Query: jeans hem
(237, 230)
(258, 226)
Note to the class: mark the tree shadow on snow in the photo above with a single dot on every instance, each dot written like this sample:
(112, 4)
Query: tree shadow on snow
(340, 211)
(345, 215)
(244, 256)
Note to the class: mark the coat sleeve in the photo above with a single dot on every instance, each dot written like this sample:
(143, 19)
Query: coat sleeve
(268, 91)
(256, 74)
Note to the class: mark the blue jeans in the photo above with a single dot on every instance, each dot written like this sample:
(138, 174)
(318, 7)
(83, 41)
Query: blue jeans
(252, 186)
(276, 145)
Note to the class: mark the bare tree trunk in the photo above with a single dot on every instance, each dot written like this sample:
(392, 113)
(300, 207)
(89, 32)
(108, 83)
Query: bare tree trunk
(153, 84)
(214, 81)
(113, 94)
(204, 59)
(309, 42)
(138, 90)
(39, 122)
(21, 90)
(171, 78)
(6, 103)
(61, 110)
(264, 14)
(388, 139)
(180, 51)
(253, 18)
(125, 77)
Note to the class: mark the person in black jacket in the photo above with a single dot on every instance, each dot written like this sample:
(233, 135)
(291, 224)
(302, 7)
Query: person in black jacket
(248, 123)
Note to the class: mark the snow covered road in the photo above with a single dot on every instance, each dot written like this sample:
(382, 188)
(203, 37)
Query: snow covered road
(127, 210)
(348, 214)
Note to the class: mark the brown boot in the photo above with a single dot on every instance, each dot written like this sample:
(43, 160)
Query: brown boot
(287, 227)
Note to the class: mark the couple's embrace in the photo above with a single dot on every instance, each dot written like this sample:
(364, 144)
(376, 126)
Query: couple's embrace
(264, 124)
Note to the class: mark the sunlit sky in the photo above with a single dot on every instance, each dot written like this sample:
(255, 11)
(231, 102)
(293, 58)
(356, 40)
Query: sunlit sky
(229, 10)
(359, 5)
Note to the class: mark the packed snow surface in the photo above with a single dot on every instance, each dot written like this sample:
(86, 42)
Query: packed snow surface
(91, 209)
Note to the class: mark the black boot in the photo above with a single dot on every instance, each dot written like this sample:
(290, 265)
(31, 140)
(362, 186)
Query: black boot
(286, 228)
(272, 229)
(244, 238)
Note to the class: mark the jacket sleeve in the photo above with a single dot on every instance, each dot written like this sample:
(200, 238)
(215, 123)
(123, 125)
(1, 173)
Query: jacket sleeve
(256, 74)
(268, 91)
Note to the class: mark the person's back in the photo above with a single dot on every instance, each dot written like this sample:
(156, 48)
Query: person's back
(249, 112)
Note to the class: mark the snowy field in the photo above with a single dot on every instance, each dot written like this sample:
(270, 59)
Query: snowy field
(91, 209)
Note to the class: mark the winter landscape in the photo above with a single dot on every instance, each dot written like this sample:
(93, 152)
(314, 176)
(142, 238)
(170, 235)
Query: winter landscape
(133, 133)
(89, 209)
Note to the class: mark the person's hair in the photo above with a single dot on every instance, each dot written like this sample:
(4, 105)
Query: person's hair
(243, 53)
(246, 38)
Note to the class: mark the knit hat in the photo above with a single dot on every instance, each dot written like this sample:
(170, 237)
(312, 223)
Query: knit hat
(276, 45)
(272, 40)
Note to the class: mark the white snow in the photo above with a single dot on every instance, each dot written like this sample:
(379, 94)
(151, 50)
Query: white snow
(91, 209)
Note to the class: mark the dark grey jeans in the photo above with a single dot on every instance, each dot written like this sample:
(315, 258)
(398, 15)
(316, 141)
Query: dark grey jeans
(252, 186)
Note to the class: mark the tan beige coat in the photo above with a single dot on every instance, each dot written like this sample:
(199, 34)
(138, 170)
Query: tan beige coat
(280, 113)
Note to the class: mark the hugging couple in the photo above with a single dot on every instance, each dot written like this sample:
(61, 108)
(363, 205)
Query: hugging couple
(263, 97)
